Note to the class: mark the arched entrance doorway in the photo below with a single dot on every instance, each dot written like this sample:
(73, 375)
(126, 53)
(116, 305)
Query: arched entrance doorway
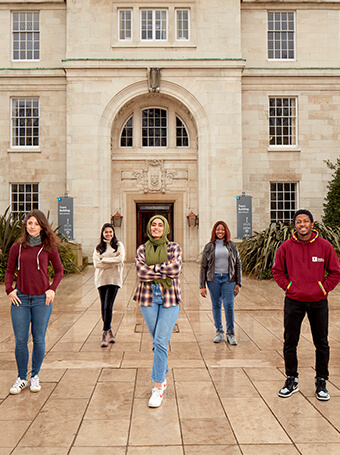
(154, 169)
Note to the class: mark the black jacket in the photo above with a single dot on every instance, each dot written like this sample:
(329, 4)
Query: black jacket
(207, 271)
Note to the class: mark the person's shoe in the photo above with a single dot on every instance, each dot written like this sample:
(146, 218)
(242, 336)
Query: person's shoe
(35, 384)
(156, 397)
(219, 336)
(104, 343)
(291, 386)
(18, 386)
(231, 338)
(321, 392)
(110, 337)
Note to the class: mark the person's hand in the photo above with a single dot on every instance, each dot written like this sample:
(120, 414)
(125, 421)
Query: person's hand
(236, 290)
(13, 298)
(203, 292)
(49, 296)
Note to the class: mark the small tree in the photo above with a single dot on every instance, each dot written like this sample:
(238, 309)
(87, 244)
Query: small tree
(332, 200)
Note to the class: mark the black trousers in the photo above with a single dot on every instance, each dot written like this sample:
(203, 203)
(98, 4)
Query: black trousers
(107, 297)
(317, 313)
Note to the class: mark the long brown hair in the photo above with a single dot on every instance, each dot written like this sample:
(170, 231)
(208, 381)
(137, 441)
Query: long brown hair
(48, 237)
(227, 232)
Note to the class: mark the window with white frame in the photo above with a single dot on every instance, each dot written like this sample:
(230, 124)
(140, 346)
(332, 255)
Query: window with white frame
(125, 24)
(26, 36)
(24, 197)
(126, 137)
(154, 24)
(154, 127)
(25, 122)
(282, 121)
(281, 35)
(182, 24)
(282, 201)
(182, 137)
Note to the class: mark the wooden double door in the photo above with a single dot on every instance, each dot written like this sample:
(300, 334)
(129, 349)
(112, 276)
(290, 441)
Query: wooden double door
(146, 211)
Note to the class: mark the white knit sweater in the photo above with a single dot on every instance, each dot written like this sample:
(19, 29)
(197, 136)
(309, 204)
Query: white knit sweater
(109, 266)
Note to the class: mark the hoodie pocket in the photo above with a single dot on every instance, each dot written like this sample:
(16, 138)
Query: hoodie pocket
(306, 291)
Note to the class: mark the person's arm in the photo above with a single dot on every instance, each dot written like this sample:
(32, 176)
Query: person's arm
(173, 268)
(58, 269)
(238, 271)
(11, 267)
(118, 256)
(97, 261)
(279, 269)
(145, 272)
(333, 268)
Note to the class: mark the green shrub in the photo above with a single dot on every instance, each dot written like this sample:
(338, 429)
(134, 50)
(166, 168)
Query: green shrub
(10, 231)
(258, 252)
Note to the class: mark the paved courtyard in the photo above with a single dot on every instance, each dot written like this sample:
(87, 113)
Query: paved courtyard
(220, 399)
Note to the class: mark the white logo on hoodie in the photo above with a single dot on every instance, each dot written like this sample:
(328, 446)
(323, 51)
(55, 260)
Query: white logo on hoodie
(316, 259)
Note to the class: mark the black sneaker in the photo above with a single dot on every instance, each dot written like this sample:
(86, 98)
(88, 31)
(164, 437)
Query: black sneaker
(291, 386)
(321, 392)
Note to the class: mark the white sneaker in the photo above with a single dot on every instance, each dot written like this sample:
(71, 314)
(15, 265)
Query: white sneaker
(156, 397)
(35, 384)
(18, 386)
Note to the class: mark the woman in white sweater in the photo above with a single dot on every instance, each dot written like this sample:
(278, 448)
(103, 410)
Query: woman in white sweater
(108, 259)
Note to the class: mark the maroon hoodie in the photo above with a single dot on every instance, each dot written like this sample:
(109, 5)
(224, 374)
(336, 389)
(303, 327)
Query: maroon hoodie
(300, 267)
(32, 264)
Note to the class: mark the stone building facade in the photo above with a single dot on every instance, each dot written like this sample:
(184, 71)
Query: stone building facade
(178, 106)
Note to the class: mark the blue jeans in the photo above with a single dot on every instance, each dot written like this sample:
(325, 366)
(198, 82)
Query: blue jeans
(160, 322)
(222, 291)
(35, 313)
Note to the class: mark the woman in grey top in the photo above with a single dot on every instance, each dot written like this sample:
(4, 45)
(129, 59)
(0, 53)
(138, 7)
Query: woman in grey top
(222, 272)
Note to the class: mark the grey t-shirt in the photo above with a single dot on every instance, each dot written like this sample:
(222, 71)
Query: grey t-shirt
(221, 257)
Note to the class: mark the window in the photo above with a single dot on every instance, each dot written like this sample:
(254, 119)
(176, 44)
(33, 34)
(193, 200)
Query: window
(125, 24)
(182, 24)
(26, 36)
(126, 138)
(154, 127)
(282, 201)
(25, 122)
(154, 24)
(282, 121)
(281, 31)
(24, 197)
(182, 138)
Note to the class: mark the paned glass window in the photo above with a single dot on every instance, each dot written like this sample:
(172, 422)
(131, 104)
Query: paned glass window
(282, 201)
(182, 138)
(281, 35)
(282, 121)
(26, 36)
(182, 24)
(154, 24)
(154, 127)
(25, 122)
(126, 138)
(125, 24)
(24, 197)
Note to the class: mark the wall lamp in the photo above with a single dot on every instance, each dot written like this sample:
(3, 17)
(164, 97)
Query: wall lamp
(116, 220)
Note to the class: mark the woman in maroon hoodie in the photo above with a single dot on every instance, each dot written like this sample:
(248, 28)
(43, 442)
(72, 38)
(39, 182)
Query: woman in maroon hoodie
(31, 299)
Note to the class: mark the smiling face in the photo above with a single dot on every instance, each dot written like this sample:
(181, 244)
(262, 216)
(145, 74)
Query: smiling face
(220, 232)
(33, 227)
(303, 227)
(108, 233)
(157, 228)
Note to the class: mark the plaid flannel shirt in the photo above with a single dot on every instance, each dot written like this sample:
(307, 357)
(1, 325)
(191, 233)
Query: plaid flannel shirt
(146, 274)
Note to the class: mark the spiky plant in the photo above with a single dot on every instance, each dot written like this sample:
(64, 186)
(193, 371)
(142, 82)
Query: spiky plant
(258, 252)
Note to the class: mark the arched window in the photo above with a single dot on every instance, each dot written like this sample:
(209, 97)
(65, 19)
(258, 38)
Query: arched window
(182, 137)
(154, 127)
(126, 138)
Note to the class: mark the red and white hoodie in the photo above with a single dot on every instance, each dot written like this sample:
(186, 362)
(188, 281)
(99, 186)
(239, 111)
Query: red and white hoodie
(300, 267)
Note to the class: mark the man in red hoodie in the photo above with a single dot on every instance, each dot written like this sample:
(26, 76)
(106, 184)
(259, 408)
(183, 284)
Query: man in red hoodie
(299, 269)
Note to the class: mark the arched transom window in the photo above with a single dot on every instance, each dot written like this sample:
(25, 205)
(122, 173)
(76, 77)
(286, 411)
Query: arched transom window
(154, 127)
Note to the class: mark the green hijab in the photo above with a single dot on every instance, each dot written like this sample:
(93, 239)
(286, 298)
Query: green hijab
(155, 249)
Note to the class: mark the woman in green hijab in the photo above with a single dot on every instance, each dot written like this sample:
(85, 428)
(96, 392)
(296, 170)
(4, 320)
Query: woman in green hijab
(159, 264)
